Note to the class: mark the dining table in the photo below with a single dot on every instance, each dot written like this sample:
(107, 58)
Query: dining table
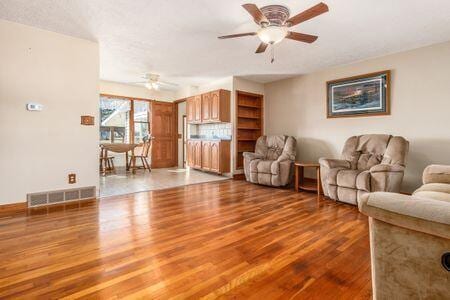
(117, 148)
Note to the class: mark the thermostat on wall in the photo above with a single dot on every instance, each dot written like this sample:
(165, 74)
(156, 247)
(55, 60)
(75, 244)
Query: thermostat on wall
(35, 106)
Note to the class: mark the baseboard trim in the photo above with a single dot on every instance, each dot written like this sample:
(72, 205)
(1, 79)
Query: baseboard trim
(13, 207)
(239, 176)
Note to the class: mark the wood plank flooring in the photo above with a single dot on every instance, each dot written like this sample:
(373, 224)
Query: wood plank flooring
(228, 239)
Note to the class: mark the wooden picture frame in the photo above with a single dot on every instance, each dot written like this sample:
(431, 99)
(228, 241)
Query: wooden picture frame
(359, 96)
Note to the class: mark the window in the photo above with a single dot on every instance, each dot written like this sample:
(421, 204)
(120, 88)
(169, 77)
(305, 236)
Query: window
(117, 116)
(115, 120)
(141, 120)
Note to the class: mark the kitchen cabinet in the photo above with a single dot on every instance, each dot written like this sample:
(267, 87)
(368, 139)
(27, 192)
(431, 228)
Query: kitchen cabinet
(206, 156)
(212, 156)
(211, 107)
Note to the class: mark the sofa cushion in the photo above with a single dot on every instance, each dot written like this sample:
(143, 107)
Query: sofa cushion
(264, 166)
(363, 181)
(275, 146)
(368, 160)
(347, 178)
(373, 143)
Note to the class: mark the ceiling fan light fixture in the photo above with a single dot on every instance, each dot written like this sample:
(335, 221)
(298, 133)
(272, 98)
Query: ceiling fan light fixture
(152, 86)
(272, 34)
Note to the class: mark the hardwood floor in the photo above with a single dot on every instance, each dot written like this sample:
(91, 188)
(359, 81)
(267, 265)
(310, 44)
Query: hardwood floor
(228, 239)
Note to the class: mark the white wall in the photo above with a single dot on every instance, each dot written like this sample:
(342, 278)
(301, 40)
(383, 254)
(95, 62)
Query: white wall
(420, 106)
(39, 149)
(129, 90)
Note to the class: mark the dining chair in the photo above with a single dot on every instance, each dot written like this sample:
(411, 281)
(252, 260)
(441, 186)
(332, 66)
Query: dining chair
(106, 162)
(142, 153)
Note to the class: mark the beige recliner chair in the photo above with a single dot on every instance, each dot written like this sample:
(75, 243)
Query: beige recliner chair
(272, 162)
(370, 163)
(410, 239)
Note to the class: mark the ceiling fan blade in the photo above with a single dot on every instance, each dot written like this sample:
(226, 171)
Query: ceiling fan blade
(307, 14)
(301, 37)
(256, 13)
(167, 83)
(261, 48)
(237, 35)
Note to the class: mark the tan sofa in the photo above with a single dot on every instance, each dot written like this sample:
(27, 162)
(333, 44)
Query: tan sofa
(409, 236)
(272, 162)
(369, 163)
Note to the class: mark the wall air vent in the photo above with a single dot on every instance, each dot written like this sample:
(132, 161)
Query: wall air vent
(61, 196)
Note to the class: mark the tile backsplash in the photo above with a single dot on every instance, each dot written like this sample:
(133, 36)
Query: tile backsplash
(212, 130)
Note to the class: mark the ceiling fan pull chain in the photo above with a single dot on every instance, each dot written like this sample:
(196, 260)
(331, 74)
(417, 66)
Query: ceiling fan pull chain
(272, 49)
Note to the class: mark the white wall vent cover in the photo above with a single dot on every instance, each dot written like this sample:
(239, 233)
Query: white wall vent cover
(53, 197)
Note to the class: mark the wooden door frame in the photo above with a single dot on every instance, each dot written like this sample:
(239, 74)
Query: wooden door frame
(176, 102)
(184, 140)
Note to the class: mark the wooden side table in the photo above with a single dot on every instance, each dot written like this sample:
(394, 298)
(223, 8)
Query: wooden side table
(300, 182)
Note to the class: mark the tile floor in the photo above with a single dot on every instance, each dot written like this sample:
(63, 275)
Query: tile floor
(123, 183)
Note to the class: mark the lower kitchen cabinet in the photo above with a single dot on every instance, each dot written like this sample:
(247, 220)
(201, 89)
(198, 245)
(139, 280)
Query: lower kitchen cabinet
(212, 156)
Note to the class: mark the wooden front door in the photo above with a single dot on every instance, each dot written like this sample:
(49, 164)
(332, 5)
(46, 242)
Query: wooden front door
(164, 135)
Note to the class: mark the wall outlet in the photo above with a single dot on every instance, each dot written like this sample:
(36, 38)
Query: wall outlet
(72, 178)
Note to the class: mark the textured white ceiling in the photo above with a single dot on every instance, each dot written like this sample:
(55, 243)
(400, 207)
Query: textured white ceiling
(177, 38)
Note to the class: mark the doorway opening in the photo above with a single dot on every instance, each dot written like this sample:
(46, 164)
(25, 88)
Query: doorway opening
(142, 146)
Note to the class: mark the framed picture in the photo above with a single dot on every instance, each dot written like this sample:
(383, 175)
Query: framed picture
(364, 95)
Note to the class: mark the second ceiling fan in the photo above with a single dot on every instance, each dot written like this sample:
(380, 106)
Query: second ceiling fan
(275, 22)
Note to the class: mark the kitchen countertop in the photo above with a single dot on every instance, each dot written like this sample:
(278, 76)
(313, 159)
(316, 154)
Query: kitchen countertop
(213, 138)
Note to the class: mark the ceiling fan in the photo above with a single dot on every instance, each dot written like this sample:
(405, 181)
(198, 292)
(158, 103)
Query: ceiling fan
(152, 82)
(275, 22)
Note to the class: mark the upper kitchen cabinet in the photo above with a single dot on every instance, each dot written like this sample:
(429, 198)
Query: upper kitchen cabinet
(211, 107)
(194, 109)
(220, 106)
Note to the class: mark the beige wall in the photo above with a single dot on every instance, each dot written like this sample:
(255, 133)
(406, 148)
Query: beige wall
(420, 107)
(39, 149)
(129, 90)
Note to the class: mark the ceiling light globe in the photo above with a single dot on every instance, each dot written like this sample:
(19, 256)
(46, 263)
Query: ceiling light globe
(272, 34)
(149, 85)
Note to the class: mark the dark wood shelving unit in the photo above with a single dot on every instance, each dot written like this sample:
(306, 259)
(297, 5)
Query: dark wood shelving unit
(249, 113)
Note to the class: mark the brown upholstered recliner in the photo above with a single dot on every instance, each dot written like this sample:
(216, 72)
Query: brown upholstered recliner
(410, 238)
(370, 163)
(272, 162)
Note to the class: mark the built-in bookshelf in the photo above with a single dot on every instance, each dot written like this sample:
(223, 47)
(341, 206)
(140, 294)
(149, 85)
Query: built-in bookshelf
(249, 114)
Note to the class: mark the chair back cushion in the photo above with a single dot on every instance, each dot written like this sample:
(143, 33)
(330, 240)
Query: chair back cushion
(366, 151)
(271, 147)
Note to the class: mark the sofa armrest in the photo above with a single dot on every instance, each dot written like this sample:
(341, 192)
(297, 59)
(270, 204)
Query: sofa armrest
(334, 163)
(252, 156)
(436, 174)
(387, 168)
(419, 214)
